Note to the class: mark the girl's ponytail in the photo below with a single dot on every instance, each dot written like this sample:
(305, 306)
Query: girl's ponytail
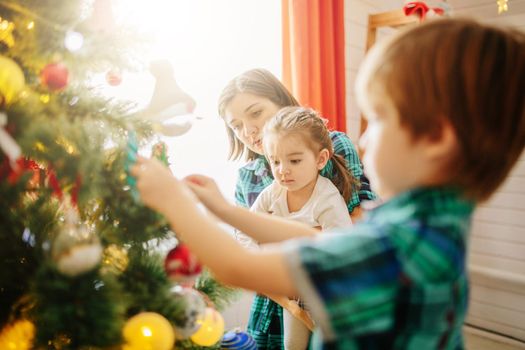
(343, 178)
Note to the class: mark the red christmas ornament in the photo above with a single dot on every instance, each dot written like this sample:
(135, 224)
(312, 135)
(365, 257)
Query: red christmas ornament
(53, 182)
(54, 76)
(418, 8)
(181, 265)
(422, 9)
(114, 77)
(23, 165)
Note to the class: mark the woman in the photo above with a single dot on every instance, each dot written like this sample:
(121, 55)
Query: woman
(246, 104)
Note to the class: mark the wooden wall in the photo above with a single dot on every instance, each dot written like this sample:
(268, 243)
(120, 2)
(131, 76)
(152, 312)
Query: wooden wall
(497, 244)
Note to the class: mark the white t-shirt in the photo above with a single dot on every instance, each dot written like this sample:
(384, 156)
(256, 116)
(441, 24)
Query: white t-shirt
(325, 208)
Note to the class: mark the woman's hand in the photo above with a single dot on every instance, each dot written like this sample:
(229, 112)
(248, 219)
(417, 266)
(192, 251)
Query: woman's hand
(158, 188)
(206, 189)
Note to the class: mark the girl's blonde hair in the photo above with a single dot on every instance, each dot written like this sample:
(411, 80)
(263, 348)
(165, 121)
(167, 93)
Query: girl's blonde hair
(259, 82)
(308, 124)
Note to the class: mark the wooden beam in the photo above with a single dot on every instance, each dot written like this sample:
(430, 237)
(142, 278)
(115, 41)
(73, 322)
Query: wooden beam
(391, 19)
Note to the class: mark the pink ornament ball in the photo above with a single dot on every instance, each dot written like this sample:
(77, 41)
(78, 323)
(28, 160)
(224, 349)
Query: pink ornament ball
(114, 77)
(55, 76)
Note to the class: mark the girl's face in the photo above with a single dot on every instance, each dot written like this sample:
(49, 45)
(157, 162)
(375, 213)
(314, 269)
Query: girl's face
(294, 164)
(246, 115)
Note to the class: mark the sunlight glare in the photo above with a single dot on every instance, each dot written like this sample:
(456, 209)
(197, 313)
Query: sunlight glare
(208, 42)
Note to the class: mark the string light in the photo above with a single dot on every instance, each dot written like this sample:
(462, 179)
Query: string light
(503, 6)
(39, 146)
(73, 41)
(7, 27)
(18, 336)
(13, 6)
(115, 258)
(6, 32)
(44, 98)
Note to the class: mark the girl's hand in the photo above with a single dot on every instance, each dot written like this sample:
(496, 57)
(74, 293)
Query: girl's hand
(206, 189)
(158, 188)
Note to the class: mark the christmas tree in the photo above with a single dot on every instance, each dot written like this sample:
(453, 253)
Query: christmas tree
(79, 265)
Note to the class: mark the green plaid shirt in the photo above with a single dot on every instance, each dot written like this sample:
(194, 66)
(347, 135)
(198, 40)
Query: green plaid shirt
(395, 281)
(265, 323)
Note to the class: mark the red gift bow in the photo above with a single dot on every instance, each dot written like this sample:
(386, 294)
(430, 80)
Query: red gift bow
(420, 9)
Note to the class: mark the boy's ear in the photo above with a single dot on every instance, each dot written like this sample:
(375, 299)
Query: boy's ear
(442, 146)
(322, 158)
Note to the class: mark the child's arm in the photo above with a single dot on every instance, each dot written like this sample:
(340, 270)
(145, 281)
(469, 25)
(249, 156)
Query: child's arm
(262, 227)
(227, 259)
(263, 271)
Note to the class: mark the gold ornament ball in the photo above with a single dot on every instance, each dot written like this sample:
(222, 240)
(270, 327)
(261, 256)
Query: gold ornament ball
(148, 331)
(115, 259)
(12, 80)
(18, 336)
(211, 329)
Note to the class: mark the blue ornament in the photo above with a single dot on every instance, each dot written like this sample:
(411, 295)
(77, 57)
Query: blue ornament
(238, 340)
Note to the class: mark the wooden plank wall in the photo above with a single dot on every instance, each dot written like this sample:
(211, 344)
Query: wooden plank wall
(497, 245)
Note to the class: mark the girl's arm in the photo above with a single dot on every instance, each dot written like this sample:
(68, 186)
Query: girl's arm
(262, 227)
(263, 271)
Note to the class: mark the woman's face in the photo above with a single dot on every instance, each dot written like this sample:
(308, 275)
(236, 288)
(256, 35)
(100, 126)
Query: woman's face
(246, 115)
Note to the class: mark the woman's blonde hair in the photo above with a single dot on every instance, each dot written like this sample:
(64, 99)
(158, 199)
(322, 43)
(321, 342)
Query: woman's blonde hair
(259, 82)
(309, 125)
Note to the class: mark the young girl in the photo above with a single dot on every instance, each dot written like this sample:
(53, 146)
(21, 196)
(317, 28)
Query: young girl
(246, 103)
(442, 137)
(297, 145)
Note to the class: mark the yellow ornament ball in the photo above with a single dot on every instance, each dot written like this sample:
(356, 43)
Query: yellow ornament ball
(211, 328)
(18, 336)
(148, 331)
(12, 80)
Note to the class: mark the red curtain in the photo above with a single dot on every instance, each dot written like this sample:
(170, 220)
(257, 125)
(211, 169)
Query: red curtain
(314, 56)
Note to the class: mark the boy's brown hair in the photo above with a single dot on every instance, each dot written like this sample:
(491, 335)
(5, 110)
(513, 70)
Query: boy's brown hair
(469, 75)
(312, 128)
(259, 82)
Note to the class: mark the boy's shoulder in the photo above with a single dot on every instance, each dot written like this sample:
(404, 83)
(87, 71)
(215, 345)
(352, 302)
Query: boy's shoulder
(435, 205)
(411, 248)
(427, 229)
(421, 227)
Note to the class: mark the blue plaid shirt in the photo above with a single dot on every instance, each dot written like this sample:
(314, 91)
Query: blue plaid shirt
(265, 323)
(395, 281)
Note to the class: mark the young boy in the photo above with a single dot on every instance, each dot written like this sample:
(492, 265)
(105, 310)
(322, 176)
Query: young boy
(445, 103)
